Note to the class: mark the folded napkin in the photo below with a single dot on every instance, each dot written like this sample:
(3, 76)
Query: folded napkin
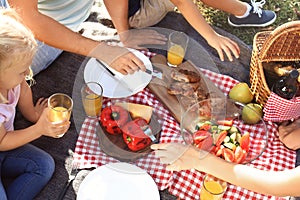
(278, 109)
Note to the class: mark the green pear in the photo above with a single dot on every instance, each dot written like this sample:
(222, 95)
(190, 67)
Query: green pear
(252, 113)
(241, 93)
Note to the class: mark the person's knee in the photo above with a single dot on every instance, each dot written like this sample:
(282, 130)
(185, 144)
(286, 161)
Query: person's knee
(43, 166)
(47, 167)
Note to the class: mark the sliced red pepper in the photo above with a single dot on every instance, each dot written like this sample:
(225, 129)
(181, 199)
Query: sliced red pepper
(222, 135)
(134, 136)
(245, 141)
(112, 118)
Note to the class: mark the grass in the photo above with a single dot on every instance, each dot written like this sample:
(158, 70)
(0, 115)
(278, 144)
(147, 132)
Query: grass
(286, 10)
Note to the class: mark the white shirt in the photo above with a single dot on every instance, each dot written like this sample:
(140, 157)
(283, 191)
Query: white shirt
(70, 13)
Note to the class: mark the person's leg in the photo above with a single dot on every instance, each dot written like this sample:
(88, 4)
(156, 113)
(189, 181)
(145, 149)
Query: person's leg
(244, 14)
(30, 167)
(150, 13)
(234, 7)
(2, 189)
(44, 56)
(133, 7)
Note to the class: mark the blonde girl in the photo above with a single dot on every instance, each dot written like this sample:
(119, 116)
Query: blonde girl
(27, 167)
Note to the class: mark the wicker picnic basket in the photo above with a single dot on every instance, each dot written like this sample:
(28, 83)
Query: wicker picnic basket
(281, 44)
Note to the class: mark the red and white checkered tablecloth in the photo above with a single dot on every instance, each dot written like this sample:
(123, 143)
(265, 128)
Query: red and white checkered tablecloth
(278, 109)
(184, 184)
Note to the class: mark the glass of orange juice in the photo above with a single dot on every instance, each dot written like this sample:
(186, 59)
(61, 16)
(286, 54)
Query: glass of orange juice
(177, 45)
(91, 94)
(60, 108)
(212, 188)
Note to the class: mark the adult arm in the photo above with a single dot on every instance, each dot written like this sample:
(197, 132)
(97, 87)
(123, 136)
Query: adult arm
(57, 35)
(277, 183)
(118, 11)
(134, 38)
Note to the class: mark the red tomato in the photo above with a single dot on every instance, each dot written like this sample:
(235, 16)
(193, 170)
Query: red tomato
(245, 141)
(205, 127)
(206, 144)
(218, 150)
(239, 155)
(228, 154)
(221, 138)
(200, 135)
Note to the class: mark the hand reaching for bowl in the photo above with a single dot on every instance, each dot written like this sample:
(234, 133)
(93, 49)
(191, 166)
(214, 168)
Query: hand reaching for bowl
(178, 156)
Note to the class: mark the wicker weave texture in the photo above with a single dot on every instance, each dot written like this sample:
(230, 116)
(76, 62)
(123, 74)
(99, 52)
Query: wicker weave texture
(281, 44)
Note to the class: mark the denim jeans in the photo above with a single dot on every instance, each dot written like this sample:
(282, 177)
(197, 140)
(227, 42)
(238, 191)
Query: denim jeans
(29, 168)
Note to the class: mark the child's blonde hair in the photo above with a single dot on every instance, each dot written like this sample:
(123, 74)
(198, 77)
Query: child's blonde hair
(17, 43)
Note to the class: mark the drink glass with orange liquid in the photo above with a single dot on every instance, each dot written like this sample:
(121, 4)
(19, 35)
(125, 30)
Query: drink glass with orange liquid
(177, 45)
(61, 106)
(212, 188)
(91, 94)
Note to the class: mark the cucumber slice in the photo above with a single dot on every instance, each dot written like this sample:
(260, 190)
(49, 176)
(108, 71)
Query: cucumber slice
(233, 137)
(227, 139)
(234, 129)
(229, 145)
(225, 128)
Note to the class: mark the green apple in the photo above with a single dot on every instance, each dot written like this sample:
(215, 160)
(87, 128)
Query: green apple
(241, 93)
(252, 113)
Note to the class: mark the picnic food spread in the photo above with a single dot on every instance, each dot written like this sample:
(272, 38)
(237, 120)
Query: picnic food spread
(183, 184)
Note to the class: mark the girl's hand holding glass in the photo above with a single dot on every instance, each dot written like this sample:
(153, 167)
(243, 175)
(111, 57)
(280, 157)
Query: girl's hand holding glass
(40, 105)
(49, 128)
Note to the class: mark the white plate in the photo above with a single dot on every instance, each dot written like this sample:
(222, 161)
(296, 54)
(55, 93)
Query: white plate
(112, 88)
(117, 181)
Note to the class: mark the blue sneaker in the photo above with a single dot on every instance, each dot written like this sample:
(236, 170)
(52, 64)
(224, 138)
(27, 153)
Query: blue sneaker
(256, 18)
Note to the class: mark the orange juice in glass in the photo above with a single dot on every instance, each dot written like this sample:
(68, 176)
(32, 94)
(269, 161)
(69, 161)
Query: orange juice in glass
(175, 55)
(91, 94)
(177, 45)
(212, 188)
(61, 106)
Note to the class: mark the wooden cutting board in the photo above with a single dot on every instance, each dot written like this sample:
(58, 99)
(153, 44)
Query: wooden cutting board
(159, 87)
